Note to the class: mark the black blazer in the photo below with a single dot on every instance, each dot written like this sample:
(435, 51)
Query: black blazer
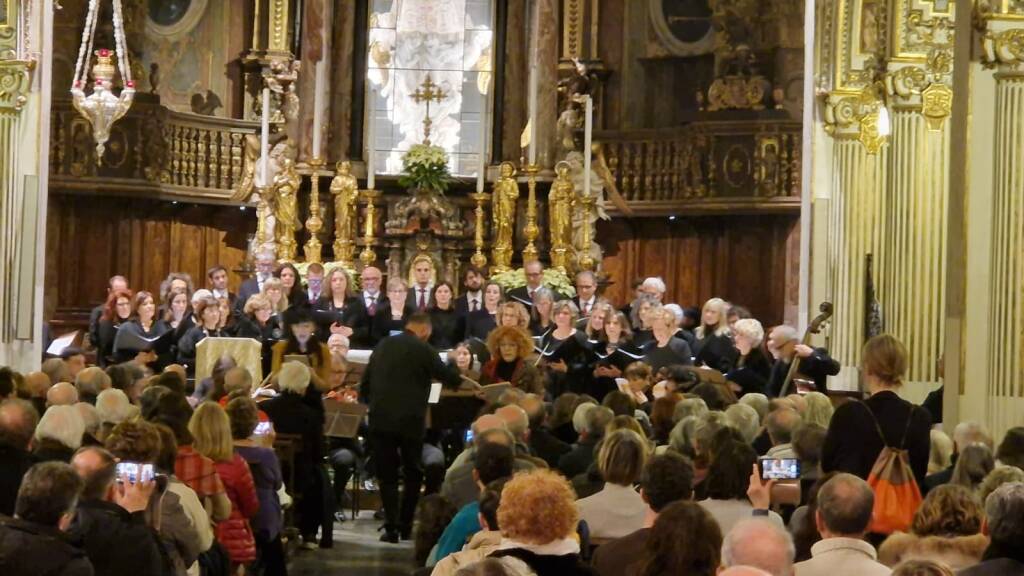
(396, 383)
(350, 314)
(852, 443)
(818, 366)
(448, 328)
(753, 375)
(522, 295)
(716, 351)
(480, 323)
(462, 303)
(413, 298)
(363, 321)
(677, 351)
(383, 324)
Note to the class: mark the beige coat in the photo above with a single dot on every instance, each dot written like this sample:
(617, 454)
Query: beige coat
(841, 557)
(958, 552)
(478, 548)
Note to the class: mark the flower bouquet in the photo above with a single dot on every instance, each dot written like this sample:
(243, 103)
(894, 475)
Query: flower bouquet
(425, 167)
(553, 279)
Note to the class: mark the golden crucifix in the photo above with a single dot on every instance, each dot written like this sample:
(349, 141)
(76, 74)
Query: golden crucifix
(428, 92)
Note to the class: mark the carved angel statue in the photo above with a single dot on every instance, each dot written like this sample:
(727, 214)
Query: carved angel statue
(286, 210)
(253, 166)
(597, 191)
(345, 190)
(560, 205)
(282, 83)
(504, 196)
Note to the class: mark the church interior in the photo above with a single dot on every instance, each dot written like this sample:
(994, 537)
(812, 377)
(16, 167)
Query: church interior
(788, 156)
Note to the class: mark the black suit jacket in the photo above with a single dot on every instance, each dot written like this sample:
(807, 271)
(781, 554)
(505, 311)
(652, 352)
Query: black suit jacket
(547, 446)
(522, 295)
(852, 443)
(363, 326)
(248, 288)
(382, 324)
(577, 460)
(462, 303)
(818, 366)
(479, 324)
(396, 383)
(352, 315)
(413, 298)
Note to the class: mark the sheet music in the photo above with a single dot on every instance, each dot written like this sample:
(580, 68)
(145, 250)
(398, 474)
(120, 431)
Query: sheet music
(435, 393)
(58, 345)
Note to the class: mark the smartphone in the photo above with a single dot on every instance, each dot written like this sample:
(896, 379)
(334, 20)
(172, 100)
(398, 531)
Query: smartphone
(262, 429)
(780, 468)
(134, 472)
(469, 436)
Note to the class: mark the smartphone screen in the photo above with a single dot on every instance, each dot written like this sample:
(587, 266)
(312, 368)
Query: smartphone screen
(469, 436)
(780, 468)
(134, 472)
(262, 429)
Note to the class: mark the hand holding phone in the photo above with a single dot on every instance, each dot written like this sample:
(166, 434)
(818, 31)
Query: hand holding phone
(780, 468)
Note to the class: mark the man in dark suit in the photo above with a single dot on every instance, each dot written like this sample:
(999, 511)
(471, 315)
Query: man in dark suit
(314, 283)
(423, 284)
(17, 425)
(264, 271)
(114, 284)
(396, 385)
(578, 460)
(366, 305)
(815, 363)
(217, 277)
(586, 292)
(534, 280)
(472, 297)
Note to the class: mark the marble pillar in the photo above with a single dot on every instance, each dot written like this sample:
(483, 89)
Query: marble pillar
(547, 32)
(337, 144)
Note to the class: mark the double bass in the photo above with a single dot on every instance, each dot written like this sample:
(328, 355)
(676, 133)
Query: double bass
(825, 312)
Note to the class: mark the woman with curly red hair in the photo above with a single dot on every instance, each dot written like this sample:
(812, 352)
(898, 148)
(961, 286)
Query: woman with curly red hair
(510, 348)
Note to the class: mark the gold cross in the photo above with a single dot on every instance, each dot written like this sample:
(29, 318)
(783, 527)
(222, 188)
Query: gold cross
(428, 92)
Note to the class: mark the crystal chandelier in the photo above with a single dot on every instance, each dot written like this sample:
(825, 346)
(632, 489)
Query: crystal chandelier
(102, 108)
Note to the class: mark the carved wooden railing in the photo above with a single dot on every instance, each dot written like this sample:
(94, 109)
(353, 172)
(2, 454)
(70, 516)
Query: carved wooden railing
(151, 149)
(704, 167)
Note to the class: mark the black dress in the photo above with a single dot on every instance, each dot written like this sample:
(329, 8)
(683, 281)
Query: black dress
(384, 325)
(576, 353)
(326, 313)
(619, 356)
(716, 351)
(538, 330)
(676, 351)
(448, 328)
(105, 345)
(156, 329)
(751, 372)
(267, 334)
(480, 323)
(187, 346)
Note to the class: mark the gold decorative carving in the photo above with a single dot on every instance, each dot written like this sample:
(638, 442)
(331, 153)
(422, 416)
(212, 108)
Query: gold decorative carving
(503, 213)
(313, 248)
(737, 92)
(15, 80)
(368, 256)
(345, 190)
(479, 259)
(531, 231)
(286, 210)
(936, 105)
(560, 203)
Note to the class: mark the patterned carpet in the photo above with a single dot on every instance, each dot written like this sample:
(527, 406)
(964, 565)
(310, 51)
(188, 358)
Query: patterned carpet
(357, 552)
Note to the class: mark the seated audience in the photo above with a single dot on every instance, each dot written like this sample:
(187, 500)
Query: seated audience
(58, 434)
(112, 408)
(460, 487)
(1011, 449)
(18, 421)
(667, 478)
(542, 442)
(780, 425)
(617, 510)
(684, 539)
(33, 542)
(192, 508)
(579, 459)
(744, 418)
(759, 543)
(111, 517)
(853, 442)
(941, 456)
(62, 394)
(493, 462)
(998, 477)
(972, 465)
(484, 542)
(60, 370)
(922, 568)
(90, 382)
(726, 484)
(844, 511)
(964, 434)
(1004, 512)
(211, 429)
(538, 520)
(947, 528)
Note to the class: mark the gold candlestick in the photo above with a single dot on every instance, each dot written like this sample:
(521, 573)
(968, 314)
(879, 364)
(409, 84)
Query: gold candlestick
(586, 261)
(262, 214)
(478, 259)
(368, 256)
(531, 230)
(314, 223)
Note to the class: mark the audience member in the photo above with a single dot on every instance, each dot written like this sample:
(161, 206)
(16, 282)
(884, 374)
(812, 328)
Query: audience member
(538, 520)
(727, 483)
(111, 517)
(947, 527)
(759, 543)
(844, 511)
(972, 466)
(60, 371)
(484, 542)
(18, 421)
(780, 425)
(579, 459)
(667, 478)
(542, 442)
(964, 435)
(744, 418)
(191, 507)
(922, 568)
(33, 542)
(818, 409)
(1004, 512)
(685, 539)
(62, 394)
(90, 382)
(617, 510)
(998, 477)
(460, 487)
(58, 434)
(940, 457)
(1011, 449)
(113, 407)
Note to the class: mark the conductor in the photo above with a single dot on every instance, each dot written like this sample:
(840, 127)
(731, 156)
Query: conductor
(396, 385)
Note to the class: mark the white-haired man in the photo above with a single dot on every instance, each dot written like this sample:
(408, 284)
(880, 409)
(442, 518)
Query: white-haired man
(759, 543)
(62, 394)
(90, 382)
(785, 346)
(58, 434)
(264, 271)
(654, 287)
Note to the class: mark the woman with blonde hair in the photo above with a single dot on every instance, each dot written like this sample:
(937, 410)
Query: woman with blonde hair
(273, 290)
(338, 309)
(618, 509)
(859, 430)
(713, 344)
(538, 518)
(818, 409)
(752, 369)
(941, 455)
(510, 348)
(946, 528)
(565, 352)
(211, 431)
(513, 314)
(666, 349)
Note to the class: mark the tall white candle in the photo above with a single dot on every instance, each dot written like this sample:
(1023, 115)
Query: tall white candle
(588, 136)
(482, 172)
(265, 137)
(370, 141)
(318, 113)
(533, 114)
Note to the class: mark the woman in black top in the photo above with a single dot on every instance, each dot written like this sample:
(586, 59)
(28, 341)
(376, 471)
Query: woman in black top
(391, 319)
(338, 310)
(145, 325)
(639, 317)
(853, 441)
(752, 366)
(480, 323)
(665, 349)
(565, 352)
(448, 326)
(713, 344)
(258, 322)
(117, 311)
(540, 317)
(208, 312)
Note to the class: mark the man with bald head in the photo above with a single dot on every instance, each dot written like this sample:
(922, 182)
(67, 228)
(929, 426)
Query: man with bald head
(815, 363)
(759, 543)
(844, 512)
(58, 370)
(459, 487)
(542, 442)
(18, 421)
(62, 394)
(90, 382)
